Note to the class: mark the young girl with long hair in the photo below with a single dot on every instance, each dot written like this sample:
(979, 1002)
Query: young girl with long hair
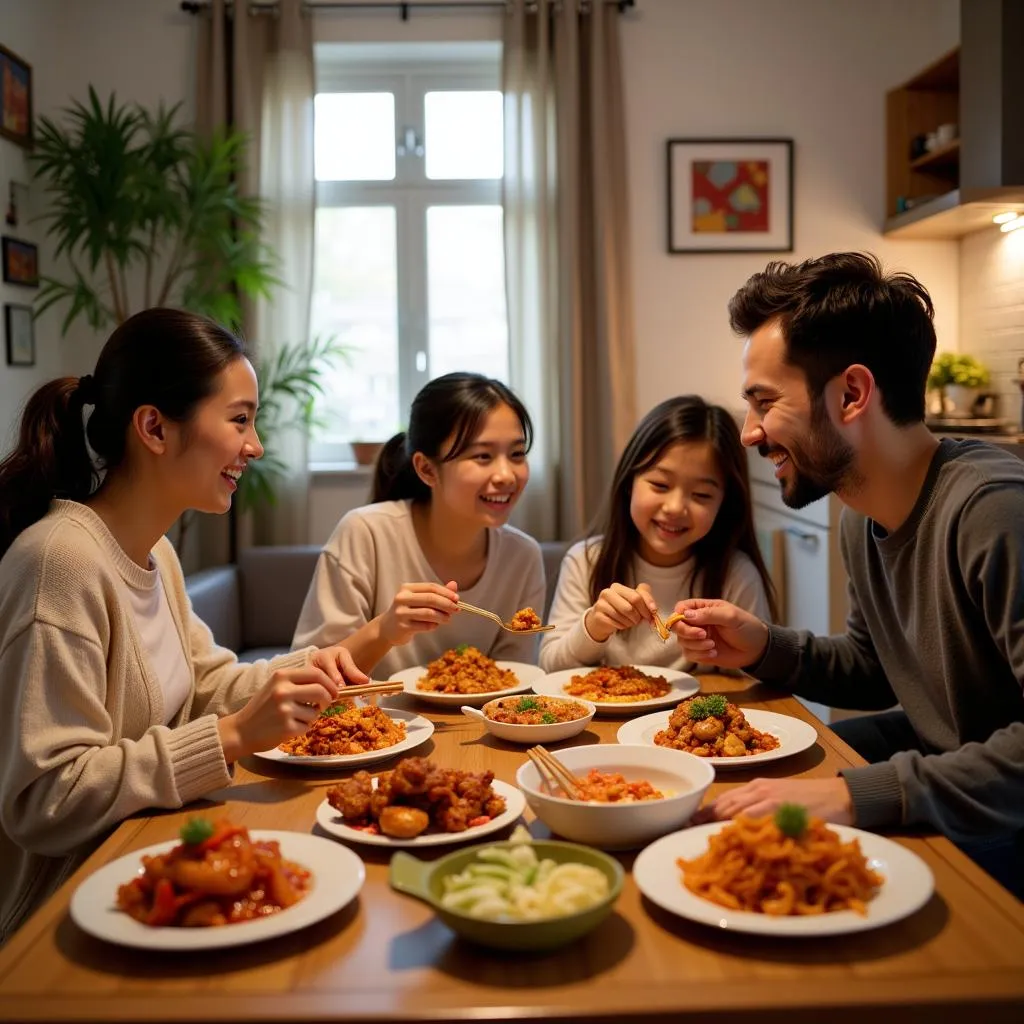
(442, 495)
(677, 524)
(113, 695)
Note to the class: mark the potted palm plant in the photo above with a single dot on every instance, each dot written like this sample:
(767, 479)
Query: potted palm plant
(146, 213)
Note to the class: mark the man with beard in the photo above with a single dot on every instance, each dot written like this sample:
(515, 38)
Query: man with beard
(836, 358)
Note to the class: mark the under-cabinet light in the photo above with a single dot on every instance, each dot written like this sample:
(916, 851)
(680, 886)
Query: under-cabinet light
(1012, 225)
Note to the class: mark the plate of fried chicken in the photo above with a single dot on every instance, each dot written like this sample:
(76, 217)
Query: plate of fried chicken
(419, 803)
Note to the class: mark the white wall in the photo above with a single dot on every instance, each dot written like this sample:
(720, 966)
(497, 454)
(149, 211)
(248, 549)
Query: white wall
(810, 70)
(992, 309)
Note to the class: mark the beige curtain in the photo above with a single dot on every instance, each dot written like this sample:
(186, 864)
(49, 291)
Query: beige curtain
(256, 74)
(567, 254)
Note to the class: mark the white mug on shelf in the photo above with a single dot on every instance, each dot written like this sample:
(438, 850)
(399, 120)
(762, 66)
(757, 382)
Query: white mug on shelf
(945, 134)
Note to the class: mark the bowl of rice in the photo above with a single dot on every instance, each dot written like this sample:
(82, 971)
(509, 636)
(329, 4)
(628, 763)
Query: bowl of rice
(520, 894)
(532, 718)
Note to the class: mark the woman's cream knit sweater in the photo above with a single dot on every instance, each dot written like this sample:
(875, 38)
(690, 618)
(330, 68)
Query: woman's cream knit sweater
(81, 744)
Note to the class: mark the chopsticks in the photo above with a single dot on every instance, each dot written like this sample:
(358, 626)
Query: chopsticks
(554, 773)
(370, 690)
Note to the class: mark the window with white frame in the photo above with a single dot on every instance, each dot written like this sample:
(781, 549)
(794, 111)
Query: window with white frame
(409, 258)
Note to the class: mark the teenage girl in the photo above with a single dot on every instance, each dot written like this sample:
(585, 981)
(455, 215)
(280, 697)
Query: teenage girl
(442, 495)
(113, 695)
(677, 524)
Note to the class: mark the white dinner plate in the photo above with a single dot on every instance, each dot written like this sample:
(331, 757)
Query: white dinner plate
(794, 735)
(331, 821)
(338, 875)
(409, 677)
(683, 685)
(417, 730)
(908, 885)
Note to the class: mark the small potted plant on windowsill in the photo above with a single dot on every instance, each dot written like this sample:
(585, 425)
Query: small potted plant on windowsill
(959, 379)
(365, 452)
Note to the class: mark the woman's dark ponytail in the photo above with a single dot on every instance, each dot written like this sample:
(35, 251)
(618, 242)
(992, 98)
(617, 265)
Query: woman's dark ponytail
(394, 478)
(50, 460)
(168, 358)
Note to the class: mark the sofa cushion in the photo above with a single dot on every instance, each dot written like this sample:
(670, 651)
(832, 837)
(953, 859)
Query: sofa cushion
(552, 551)
(273, 582)
(214, 594)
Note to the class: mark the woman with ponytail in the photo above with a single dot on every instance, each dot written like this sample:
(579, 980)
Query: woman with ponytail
(442, 495)
(113, 695)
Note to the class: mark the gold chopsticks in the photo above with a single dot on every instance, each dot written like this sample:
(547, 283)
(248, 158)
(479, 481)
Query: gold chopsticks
(554, 773)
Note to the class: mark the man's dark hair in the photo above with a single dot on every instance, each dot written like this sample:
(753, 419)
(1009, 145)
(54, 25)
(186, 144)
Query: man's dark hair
(843, 309)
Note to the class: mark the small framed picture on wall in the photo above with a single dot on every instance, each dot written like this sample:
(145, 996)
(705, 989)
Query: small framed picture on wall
(20, 262)
(15, 98)
(19, 332)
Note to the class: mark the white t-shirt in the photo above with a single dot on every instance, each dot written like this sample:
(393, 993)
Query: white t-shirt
(373, 551)
(161, 642)
(571, 646)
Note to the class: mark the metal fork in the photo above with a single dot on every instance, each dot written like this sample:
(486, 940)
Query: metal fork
(500, 621)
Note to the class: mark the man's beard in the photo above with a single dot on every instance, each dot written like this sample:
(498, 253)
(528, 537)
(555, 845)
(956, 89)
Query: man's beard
(825, 465)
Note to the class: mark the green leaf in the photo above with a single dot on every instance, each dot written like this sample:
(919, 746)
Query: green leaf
(791, 820)
(196, 830)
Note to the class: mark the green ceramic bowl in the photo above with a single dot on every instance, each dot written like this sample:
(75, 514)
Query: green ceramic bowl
(425, 880)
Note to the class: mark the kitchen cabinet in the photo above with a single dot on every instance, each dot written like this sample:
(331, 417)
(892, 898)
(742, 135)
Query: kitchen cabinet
(970, 99)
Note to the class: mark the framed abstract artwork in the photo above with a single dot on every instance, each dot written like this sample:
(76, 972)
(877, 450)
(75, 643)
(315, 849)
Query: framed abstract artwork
(730, 195)
(15, 98)
(20, 262)
(19, 334)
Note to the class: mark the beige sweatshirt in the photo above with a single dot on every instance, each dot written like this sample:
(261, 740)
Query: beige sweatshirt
(82, 746)
(374, 551)
(570, 645)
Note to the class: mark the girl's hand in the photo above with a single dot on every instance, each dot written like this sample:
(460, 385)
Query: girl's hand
(619, 607)
(719, 633)
(285, 705)
(418, 608)
(337, 662)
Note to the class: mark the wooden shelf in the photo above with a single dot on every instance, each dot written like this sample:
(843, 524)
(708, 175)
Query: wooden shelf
(954, 214)
(947, 156)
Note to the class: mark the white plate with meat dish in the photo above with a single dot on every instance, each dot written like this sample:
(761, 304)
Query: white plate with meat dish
(417, 731)
(793, 734)
(524, 673)
(331, 821)
(681, 685)
(337, 877)
(906, 886)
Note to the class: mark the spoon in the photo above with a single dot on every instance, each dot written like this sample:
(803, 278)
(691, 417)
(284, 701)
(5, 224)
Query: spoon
(474, 713)
(501, 622)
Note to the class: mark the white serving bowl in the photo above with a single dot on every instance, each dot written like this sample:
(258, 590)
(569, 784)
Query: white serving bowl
(533, 733)
(621, 826)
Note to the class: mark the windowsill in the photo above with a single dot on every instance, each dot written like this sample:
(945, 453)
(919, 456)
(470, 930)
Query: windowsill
(332, 470)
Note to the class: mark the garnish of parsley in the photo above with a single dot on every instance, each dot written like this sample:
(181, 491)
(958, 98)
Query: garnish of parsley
(712, 706)
(791, 820)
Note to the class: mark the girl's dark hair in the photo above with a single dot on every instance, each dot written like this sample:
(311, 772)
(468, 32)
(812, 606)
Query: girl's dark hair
(453, 406)
(684, 419)
(167, 358)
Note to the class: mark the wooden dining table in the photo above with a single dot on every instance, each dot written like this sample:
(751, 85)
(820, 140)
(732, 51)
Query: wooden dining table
(387, 957)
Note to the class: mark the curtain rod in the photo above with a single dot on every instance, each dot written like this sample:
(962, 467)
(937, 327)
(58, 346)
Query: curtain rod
(199, 6)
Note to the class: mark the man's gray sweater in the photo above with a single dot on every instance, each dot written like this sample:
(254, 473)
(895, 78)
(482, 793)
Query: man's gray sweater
(937, 624)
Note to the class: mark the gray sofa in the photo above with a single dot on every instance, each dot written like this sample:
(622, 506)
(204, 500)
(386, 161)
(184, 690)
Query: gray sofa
(253, 606)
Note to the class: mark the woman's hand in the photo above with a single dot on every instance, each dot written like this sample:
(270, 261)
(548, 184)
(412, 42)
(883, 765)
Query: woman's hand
(619, 607)
(824, 798)
(719, 633)
(284, 706)
(338, 663)
(418, 608)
